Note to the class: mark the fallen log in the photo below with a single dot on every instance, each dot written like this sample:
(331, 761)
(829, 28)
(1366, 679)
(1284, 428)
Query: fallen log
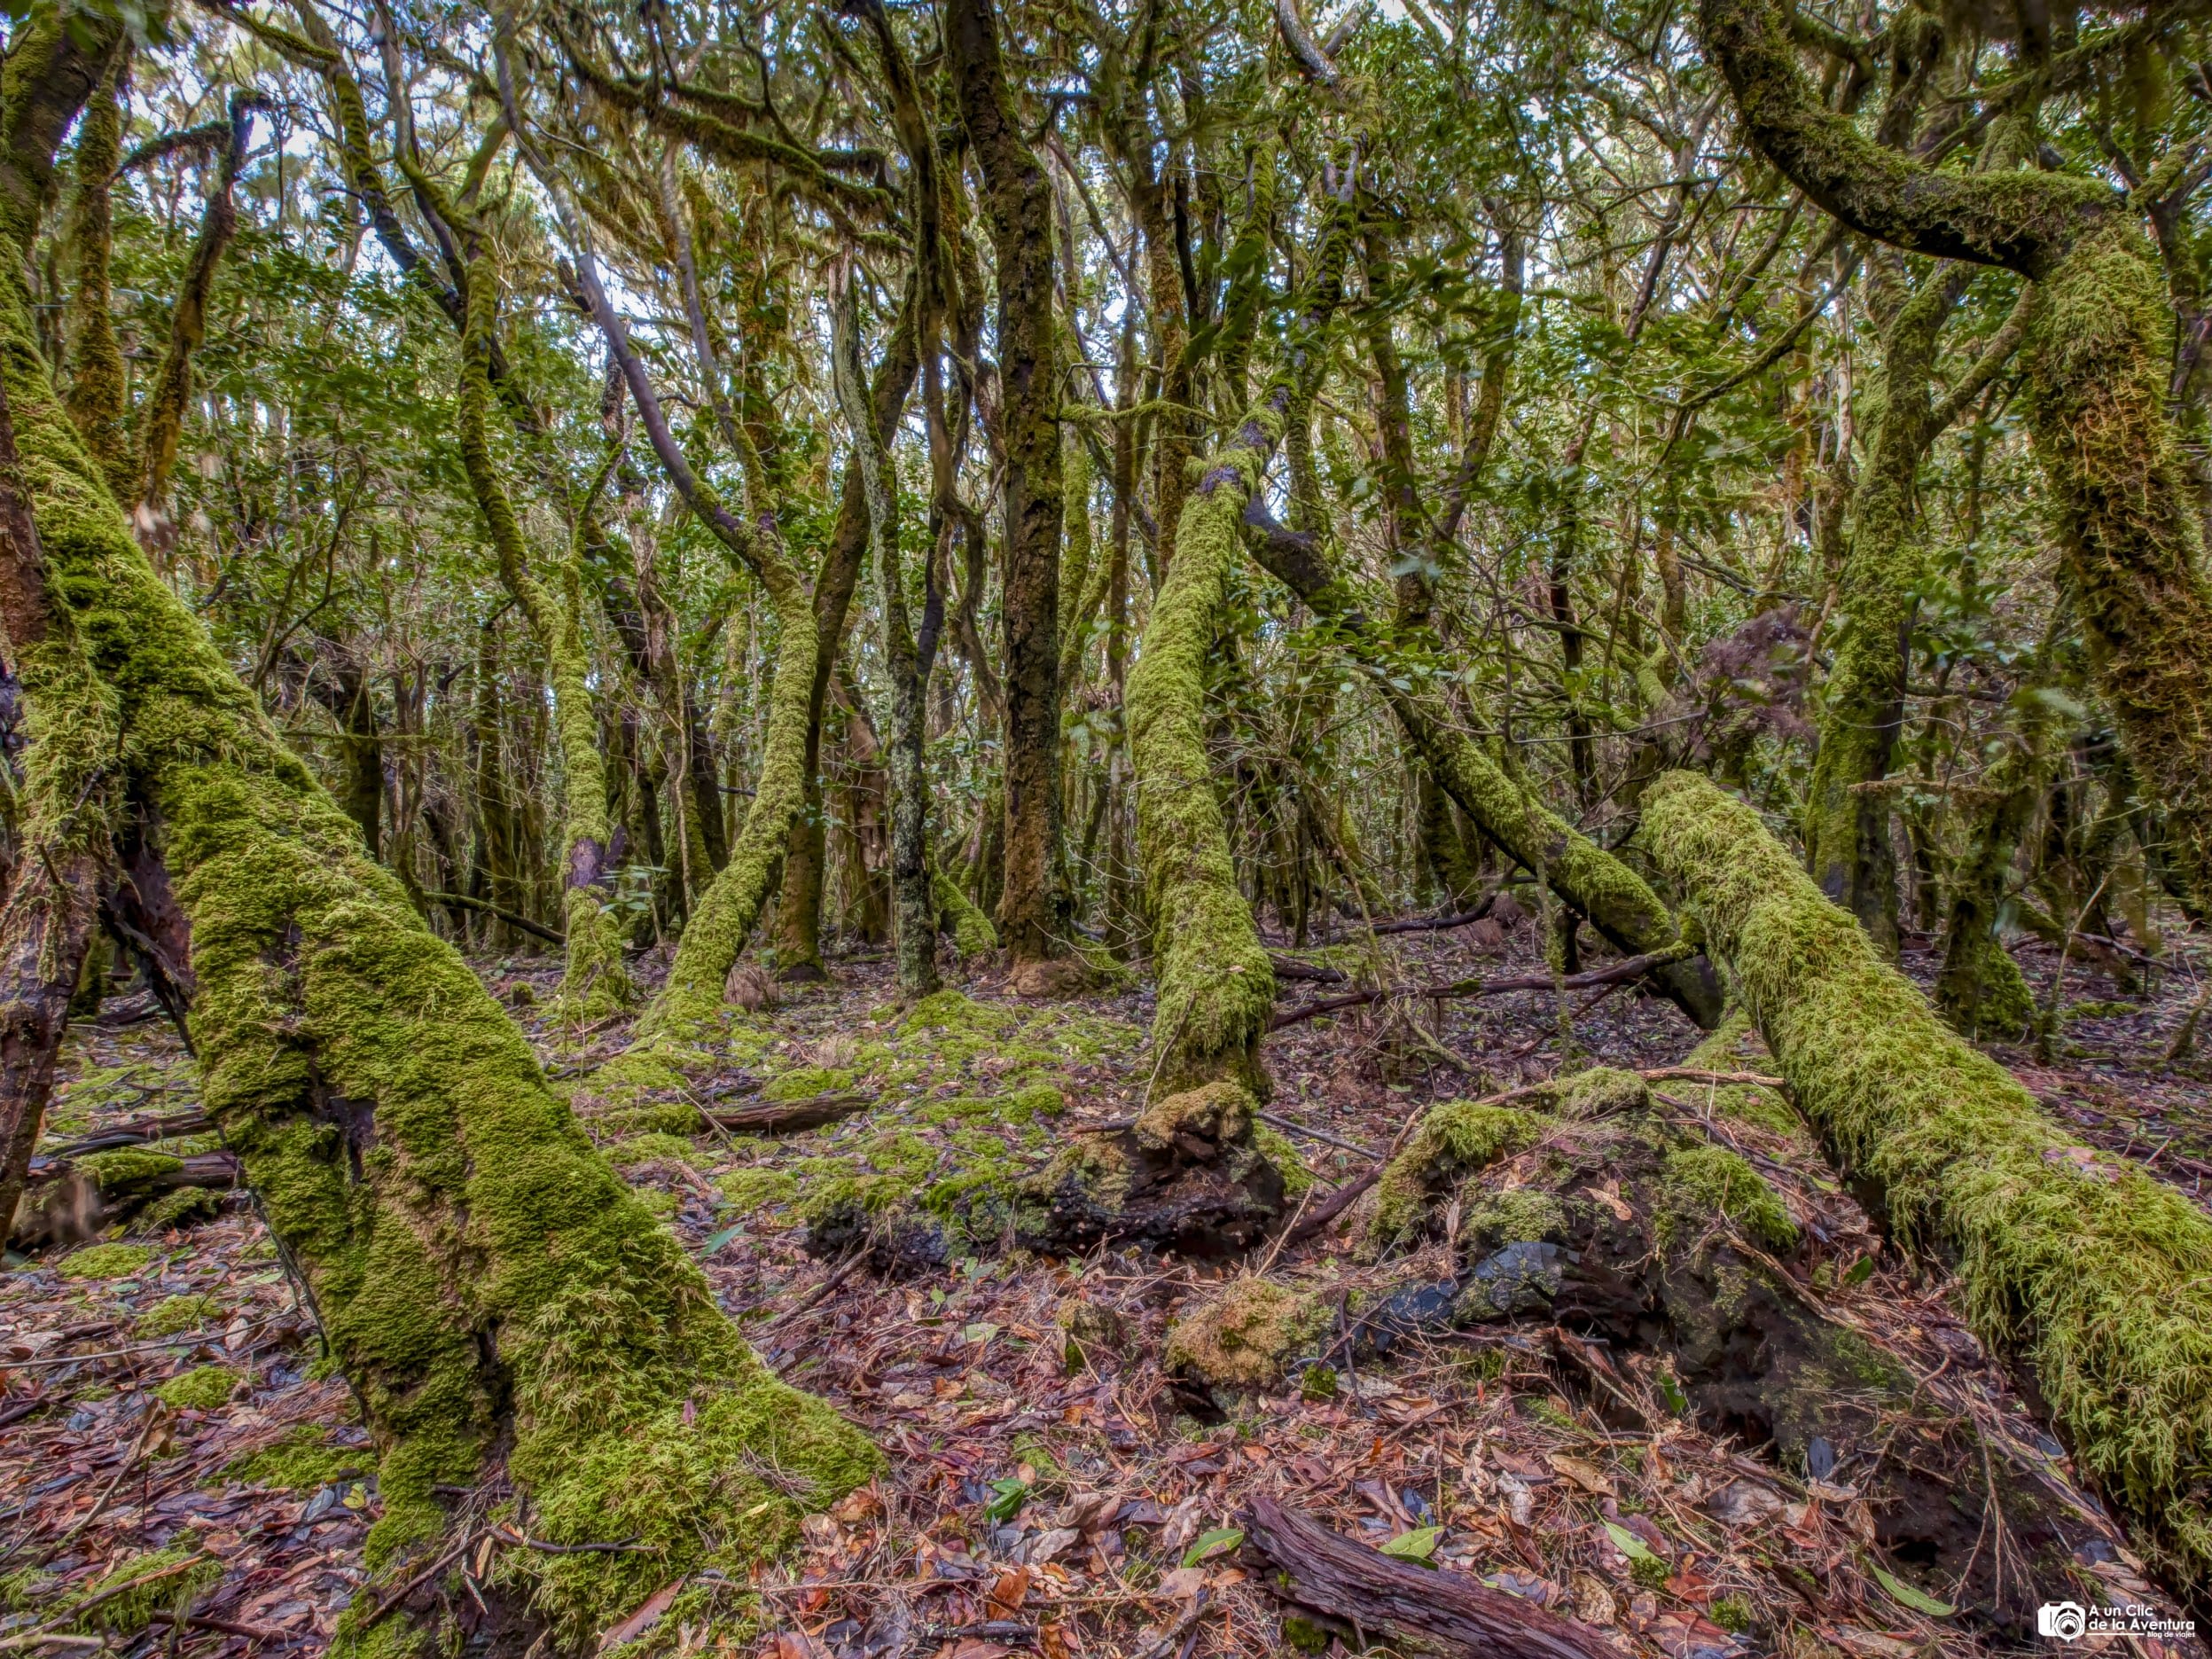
(66, 1201)
(777, 1117)
(136, 1132)
(1290, 967)
(1440, 924)
(1344, 1585)
(2078, 1263)
(1613, 974)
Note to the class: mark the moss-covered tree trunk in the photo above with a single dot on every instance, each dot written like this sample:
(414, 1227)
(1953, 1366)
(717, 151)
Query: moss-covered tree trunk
(48, 920)
(2087, 1268)
(595, 981)
(164, 419)
(501, 1303)
(2097, 353)
(97, 398)
(1018, 203)
(1216, 987)
(1848, 842)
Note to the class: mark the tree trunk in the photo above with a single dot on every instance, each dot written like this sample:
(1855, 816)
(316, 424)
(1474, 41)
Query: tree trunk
(499, 1300)
(1032, 918)
(1216, 987)
(2098, 356)
(595, 982)
(2090, 1270)
(98, 399)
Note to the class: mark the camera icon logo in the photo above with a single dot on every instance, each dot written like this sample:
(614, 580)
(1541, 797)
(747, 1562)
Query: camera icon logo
(2064, 1620)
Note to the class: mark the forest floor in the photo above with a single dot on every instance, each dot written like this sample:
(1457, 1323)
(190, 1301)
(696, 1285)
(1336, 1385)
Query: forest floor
(1050, 1487)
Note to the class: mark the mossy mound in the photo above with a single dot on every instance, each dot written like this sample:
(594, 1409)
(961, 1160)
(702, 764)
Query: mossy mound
(202, 1389)
(1456, 1138)
(175, 1314)
(1703, 1183)
(749, 1192)
(124, 1167)
(657, 1148)
(1243, 1337)
(1278, 1149)
(105, 1261)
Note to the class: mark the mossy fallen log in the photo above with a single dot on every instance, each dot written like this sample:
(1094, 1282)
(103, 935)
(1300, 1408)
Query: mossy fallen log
(2094, 1274)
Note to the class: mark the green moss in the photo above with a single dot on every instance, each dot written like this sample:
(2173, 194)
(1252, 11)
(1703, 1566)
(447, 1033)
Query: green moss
(301, 1460)
(1600, 1092)
(750, 1191)
(175, 1210)
(125, 1167)
(1216, 989)
(456, 1207)
(175, 1314)
(1455, 1138)
(1700, 1183)
(202, 1389)
(595, 982)
(972, 934)
(658, 1146)
(1517, 1216)
(1275, 1147)
(2091, 1270)
(1038, 1100)
(105, 1261)
(157, 1584)
(1241, 1337)
(804, 1081)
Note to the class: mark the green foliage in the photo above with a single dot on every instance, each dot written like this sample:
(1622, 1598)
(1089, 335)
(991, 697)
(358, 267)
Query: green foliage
(301, 1460)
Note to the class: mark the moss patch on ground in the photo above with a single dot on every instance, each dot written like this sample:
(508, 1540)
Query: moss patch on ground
(202, 1389)
(301, 1460)
(105, 1261)
(174, 1314)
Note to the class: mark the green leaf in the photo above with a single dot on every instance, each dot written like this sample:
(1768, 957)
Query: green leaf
(982, 1332)
(723, 1238)
(1012, 1495)
(1220, 1541)
(1417, 1546)
(1629, 1544)
(1859, 1271)
(1919, 1601)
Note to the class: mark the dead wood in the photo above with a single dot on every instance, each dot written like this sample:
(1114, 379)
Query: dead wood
(1613, 974)
(776, 1117)
(1342, 1584)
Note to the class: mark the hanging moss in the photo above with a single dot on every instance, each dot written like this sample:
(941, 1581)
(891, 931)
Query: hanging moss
(2091, 1270)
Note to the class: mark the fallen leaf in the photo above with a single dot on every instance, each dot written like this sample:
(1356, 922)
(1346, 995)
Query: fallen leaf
(1910, 1595)
(1417, 1546)
(1184, 1583)
(646, 1616)
(1053, 1542)
(1743, 1504)
(1009, 1593)
(1589, 1477)
(1219, 1541)
(1609, 1195)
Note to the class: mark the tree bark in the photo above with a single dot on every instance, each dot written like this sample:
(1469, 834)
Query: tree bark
(1032, 918)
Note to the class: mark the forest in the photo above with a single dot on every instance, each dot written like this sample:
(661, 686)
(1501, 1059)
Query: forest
(1116, 829)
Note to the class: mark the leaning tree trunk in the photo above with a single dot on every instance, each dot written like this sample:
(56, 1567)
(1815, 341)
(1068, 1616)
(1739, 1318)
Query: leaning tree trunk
(97, 397)
(502, 1304)
(595, 981)
(2088, 1269)
(2097, 361)
(52, 906)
